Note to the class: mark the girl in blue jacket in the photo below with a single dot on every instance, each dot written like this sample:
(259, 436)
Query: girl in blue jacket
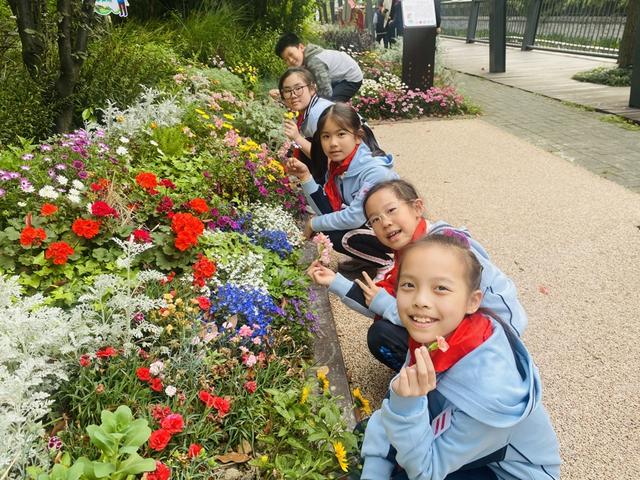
(356, 164)
(467, 403)
(395, 213)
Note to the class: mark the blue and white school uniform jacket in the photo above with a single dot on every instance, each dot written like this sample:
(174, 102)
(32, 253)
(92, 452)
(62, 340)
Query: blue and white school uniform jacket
(500, 295)
(364, 172)
(312, 114)
(486, 410)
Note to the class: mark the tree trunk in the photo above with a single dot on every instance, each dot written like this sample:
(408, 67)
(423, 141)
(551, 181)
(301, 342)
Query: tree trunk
(322, 9)
(332, 7)
(72, 50)
(27, 15)
(625, 54)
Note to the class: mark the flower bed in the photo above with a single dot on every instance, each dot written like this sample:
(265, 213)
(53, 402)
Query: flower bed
(156, 322)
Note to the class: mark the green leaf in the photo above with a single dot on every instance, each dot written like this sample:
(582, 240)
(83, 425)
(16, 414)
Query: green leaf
(137, 433)
(123, 417)
(136, 464)
(102, 470)
(102, 440)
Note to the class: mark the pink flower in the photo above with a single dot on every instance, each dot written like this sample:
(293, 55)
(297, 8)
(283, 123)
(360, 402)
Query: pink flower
(250, 386)
(443, 346)
(245, 331)
(250, 360)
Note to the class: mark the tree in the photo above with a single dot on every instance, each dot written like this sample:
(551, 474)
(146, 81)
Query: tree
(75, 19)
(626, 51)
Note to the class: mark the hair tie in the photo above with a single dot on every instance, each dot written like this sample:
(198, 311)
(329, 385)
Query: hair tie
(461, 237)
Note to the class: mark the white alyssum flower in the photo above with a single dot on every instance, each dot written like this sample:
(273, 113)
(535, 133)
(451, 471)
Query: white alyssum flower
(48, 192)
(62, 180)
(78, 185)
(124, 140)
(275, 217)
(121, 151)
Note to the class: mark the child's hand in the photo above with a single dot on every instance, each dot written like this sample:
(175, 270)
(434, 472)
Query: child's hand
(308, 231)
(369, 288)
(291, 131)
(416, 380)
(321, 274)
(297, 168)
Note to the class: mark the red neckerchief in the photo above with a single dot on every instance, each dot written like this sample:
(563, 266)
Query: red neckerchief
(471, 333)
(297, 152)
(331, 188)
(391, 278)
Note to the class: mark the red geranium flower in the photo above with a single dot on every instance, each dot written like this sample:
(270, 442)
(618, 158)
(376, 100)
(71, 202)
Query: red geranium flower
(101, 184)
(85, 228)
(147, 180)
(194, 450)
(187, 229)
(203, 269)
(30, 236)
(162, 472)
(107, 352)
(141, 236)
(159, 439)
(48, 209)
(59, 252)
(250, 386)
(102, 209)
(204, 303)
(198, 205)
(173, 423)
(155, 384)
(165, 182)
(143, 374)
(165, 205)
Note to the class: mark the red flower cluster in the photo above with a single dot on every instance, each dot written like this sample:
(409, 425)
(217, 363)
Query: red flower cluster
(194, 450)
(100, 185)
(48, 209)
(250, 386)
(59, 252)
(165, 205)
(30, 236)
(204, 303)
(162, 472)
(170, 425)
(165, 182)
(147, 180)
(107, 352)
(159, 412)
(142, 236)
(102, 209)
(222, 405)
(187, 229)
(85, 228)
(198, 205)
(144, 375)
(203, 269)
(85, 360)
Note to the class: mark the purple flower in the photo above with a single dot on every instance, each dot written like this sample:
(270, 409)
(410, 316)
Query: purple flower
(55, 443)
(27, 156)
(61, 166)
(25, 167)
(78, 165)
(2, 192)
(82, 174)
(51, 172)
(45, 148)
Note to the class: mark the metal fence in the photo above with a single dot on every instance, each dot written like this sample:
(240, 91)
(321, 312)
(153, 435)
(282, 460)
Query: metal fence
(592, 27)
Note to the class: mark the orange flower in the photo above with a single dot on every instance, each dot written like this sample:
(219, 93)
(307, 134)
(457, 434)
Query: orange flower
(59, 252)
(199, 205)
(48, 209)
(147, 180)
(86, 228)
(187, 229)
(31, 235)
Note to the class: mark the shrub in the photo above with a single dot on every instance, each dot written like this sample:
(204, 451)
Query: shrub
(347, 38)
(262, 120)
(615, 77)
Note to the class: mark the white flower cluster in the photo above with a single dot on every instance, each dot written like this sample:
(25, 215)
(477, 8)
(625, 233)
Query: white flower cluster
(150, 107)
(242, 269)
(386, 82)
(275, 217)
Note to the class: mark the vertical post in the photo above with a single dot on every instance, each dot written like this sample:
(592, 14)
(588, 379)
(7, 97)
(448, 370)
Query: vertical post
(368, 18)
(497, 36)
(473, 21)
(531, 28)
(418, 57)
(634, 97)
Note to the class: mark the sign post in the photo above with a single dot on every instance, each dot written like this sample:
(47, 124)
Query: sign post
(419, 44)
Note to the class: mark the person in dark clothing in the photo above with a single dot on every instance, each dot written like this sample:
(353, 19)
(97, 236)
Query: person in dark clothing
(379, 22)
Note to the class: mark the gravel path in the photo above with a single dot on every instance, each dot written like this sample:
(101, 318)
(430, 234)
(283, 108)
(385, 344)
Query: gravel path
(571, 242)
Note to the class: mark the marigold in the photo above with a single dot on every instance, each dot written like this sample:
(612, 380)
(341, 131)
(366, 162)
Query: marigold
(341, 455)
(59, 252)
(198, 205)
(30, 236)
(147, 180)
(48, 209)
(85, 228)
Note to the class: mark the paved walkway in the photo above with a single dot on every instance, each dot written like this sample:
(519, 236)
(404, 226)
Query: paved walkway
(543, 72)
(576, 135)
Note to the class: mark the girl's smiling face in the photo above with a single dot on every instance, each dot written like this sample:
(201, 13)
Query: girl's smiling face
(296, 93)
(392, 219)
(433, 292)
(337, 142)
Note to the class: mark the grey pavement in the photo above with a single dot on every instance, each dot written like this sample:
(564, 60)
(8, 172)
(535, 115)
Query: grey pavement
(576, 135)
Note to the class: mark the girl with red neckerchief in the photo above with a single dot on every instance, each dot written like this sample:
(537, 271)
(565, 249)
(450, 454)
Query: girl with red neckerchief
(356, 164)
(396, 214)
(467, 403)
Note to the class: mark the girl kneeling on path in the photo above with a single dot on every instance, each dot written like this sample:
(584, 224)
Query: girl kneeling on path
(299, 93)
(356, 164)
(467, 403)
(395, 213)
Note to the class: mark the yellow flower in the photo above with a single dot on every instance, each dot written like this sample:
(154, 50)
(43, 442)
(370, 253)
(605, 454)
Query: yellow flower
(228, 126)
(264, 459)
(200, 112)
(361, 402)
(120, 118)
(228, 116)
(341, 455)
(205, 116)
(169, 329)
(289, 115)
(153, 125)
(304, 395)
